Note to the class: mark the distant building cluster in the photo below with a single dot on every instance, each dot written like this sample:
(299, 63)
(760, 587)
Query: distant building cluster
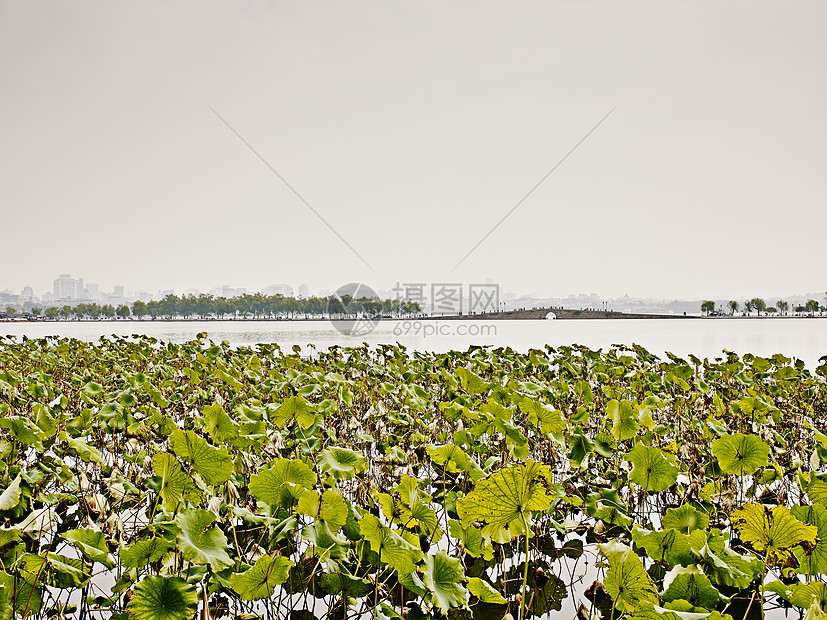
(70, 291)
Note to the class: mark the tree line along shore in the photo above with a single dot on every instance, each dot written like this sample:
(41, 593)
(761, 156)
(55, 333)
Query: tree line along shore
(205, 306)
(759, 306)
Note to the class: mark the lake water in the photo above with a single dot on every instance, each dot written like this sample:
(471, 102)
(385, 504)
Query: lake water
(802, 338)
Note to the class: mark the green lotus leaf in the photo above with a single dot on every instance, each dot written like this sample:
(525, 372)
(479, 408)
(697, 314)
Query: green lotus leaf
(817, 490)
(92, 545)
(22, 429)
(176, 485)
(813, 561)
(341, 463)
(294, 407)
(163, 598)
(19, 598)
(67, 573)
(10, 497)
(801, 594)
(720, 563)
(449, 456)
(393, 550)
(10, 546)
(685, 519)
(549, 420)
(215, 466)
(689, 584)
(667, 545)
(444, 577)
(773, 532)
(740, 454)
(218, 424)
(346, 585)
(485, 592)
(261, 580)
(627, 581)
(200, 543)
(650, 469)
(505, 500)
(291, 474)
(44, 421)
(56, 570)
(623, 418)
(471, 538)
(471, 382)
(425, 518)
(331, 507)
(326, 543)
(409, 490)
(815, 612)
(142, 552)
(581, 447)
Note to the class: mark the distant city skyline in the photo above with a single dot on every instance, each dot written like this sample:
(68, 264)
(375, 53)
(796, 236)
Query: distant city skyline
(69, 290)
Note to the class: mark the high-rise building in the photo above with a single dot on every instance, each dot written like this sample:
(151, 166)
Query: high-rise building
(66, 288)
(28, 293)
(304, 291)
(278, 289)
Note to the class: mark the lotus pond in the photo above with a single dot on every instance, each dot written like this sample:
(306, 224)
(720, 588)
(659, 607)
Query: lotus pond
(154, 481)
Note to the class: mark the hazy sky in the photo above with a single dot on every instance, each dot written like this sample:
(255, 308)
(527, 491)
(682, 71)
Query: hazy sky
(413, 128)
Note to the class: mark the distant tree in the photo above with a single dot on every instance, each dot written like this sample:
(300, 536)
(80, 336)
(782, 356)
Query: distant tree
(733, 306)
(11, 310)
(811, 306)
(53, 312)
(170, 305)
(139, 309)
(758, 304)
(36, 311)
(708, 307)
(108, 310)
(153, 308)
(66, 312)
(782, 306)
(772, 310)
(122, 311)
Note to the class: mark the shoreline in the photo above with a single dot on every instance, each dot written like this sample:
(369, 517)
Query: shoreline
(509, 315)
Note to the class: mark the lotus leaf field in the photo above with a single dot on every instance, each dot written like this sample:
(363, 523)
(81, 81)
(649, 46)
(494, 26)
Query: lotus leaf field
(153, 481)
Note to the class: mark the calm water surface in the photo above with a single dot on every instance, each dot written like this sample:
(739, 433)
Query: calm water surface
(802, 338)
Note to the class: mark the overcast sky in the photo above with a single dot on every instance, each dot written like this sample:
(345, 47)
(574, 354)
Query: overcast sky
(412, 128)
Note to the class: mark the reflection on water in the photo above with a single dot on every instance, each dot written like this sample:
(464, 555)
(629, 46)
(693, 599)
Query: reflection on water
(803, 338)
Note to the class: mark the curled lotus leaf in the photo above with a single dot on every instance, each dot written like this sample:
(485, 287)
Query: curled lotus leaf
(444, 577)
(200, 541)
(685, 519)
(689, 584)
(627, 581)
(341, 463)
